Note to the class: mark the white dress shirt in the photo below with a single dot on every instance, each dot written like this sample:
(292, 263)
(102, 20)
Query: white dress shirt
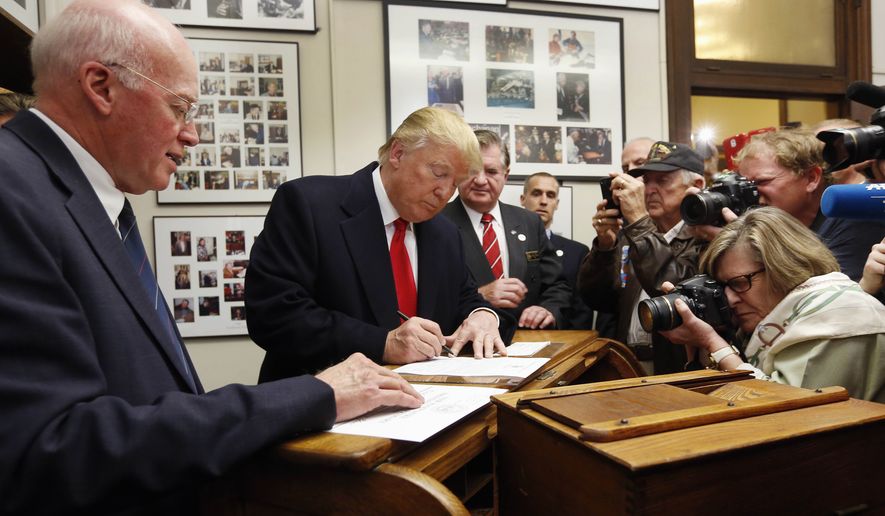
(388, 216)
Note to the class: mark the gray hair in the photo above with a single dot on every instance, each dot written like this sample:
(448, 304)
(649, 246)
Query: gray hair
(112, 32)
(689, 177)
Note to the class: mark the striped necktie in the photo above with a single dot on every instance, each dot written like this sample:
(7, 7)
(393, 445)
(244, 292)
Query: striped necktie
(138, 256)
(490, 246)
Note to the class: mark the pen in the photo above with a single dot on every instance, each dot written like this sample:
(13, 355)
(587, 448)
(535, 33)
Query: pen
(445, 348)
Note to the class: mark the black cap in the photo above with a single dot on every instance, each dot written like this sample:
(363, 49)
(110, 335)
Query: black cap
(668, 156)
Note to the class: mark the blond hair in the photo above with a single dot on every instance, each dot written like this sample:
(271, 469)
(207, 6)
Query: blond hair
(790, 252)
(437, 126)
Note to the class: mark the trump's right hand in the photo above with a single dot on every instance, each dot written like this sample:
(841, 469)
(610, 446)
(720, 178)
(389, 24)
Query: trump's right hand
(415, 340)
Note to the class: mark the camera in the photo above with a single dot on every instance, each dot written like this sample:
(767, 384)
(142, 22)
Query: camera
(732, 191)
(845, 147)
(703, 295)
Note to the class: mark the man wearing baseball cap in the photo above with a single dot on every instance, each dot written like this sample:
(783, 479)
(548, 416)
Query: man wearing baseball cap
(643, 243)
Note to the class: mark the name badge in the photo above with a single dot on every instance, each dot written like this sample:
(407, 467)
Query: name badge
(532, 256)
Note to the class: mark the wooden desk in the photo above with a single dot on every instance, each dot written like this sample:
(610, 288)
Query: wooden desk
(724, 445)
(333, 473)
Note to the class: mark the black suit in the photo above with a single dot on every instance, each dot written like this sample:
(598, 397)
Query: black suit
(320, 285)
(97, 414)
(571, 253)
(532, 260)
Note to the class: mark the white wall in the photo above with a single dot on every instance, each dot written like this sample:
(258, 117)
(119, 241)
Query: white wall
(343, 123)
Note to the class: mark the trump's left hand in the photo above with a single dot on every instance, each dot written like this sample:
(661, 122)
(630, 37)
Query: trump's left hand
(481, 328)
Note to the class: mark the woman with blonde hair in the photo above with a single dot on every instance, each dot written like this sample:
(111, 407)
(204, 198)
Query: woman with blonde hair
(808, 324)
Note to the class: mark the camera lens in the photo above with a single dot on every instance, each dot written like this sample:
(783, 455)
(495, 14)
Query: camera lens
(660, 313)
(844, 147)
(703, 208)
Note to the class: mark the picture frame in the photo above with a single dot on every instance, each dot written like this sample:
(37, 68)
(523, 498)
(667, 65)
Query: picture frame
(551, 83)
(289, 15)
(248, 124)
(641, 5)
(563, 219)
(201, 265)
(24, 13)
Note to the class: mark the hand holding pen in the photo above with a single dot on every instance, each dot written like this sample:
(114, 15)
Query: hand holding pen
(445, 349)
(414, 340)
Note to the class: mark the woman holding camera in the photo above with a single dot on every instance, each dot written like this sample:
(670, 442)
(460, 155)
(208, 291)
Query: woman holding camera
(808, 324)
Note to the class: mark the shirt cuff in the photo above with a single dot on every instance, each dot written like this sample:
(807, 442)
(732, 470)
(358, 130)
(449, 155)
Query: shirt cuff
(497, 319)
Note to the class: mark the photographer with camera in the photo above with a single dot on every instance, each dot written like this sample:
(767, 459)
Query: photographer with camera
(787, 168)
(808, 325)
(642, 243)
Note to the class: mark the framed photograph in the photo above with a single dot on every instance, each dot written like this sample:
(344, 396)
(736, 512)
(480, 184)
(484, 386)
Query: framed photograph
(248, 123)
(552, 85)
(201, 267)
(294, 15)
(22, 12)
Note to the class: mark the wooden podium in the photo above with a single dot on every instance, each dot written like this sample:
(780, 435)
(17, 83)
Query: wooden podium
(329, 473)
(690, 443)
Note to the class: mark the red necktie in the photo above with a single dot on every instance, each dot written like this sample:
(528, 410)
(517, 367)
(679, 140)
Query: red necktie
(406, 294)
(490, 246)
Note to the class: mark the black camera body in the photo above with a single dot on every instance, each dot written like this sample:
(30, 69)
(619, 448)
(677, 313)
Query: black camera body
(704, 296)
(732, 191)
(846, 147)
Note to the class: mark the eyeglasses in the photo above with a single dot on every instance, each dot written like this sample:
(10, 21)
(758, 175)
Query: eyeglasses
(742, 283)
(187, 115)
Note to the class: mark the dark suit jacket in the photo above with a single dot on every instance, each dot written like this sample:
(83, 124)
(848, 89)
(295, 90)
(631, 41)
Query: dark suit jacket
(541, 274)
(571, 253)
(96, 413)
(320, 286)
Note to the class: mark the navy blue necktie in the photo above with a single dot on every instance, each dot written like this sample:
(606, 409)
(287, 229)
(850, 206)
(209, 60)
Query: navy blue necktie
(135, 250)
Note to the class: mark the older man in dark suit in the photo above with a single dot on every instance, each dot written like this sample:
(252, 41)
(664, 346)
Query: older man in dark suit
(340, 256)
(103, 411)
(508, 252)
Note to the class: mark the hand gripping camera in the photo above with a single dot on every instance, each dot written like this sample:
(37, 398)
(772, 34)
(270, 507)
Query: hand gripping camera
(732, 191)
(703, 295)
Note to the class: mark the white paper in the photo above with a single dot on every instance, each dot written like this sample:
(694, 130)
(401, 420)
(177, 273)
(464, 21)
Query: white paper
(525, 349)
(468, 366)
(443, 406)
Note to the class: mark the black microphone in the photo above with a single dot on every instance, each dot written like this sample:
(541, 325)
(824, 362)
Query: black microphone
(866, 201)
(866, 93)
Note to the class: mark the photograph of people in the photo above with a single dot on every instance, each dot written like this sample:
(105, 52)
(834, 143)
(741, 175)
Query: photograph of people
(538, 144)
(443, 40)
(270, 87)
(217, 180)
(231, 9)
(270, 63)
(577, 49)
(181, 243)
(166, 4)
(206, 110)
(208, 279)
(182, 277)
(183, 311)
(277, 111)
(206, 159)
(280, 9)
(509, 44)
(253, 133)
(230, 157)
(187, 180)
(241, 63)
(252, 111)
(229, 134)
(272, 180)
(246, 179)
(445, 85)
(209, 306)
(211, 62)
(206, 249)
(255, 157)
(206, 132)
(572, 97)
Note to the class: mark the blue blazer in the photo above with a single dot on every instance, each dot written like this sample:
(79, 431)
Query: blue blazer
(97, 414)
(320, 285)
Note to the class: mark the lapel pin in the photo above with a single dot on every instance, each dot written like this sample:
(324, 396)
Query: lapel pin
(521, 237)
(512, 231)
(559, 252)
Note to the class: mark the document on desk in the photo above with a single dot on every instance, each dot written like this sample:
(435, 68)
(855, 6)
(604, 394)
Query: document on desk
(443, 406)
(469, 366)
(526, 349)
